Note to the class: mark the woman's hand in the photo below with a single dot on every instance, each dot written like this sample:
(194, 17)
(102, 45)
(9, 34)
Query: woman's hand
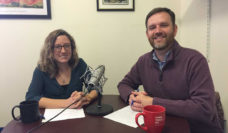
(75, 96)
(87, 99)
(84, 101)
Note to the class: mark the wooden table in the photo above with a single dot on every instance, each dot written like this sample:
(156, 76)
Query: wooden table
(95, 124)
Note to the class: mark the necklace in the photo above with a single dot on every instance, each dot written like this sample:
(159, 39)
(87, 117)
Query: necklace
(63, 79)
(64, 76)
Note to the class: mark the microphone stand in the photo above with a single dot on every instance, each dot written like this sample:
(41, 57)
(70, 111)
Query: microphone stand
(99, 109)
(97, 80)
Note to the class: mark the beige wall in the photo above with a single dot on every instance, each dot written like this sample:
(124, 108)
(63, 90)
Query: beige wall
(219, 50)
(115, 39)
(193, 34)
(193, 24)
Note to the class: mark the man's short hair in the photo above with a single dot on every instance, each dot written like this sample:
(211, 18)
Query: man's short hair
(158, 10)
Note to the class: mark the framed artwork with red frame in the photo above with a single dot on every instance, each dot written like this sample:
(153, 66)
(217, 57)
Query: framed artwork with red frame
(25, 9)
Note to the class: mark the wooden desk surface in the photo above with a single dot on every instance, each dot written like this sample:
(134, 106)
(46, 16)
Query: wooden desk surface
(95, 124)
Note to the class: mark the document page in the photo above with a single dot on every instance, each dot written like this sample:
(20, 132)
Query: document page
(67, 114)
(125, 116)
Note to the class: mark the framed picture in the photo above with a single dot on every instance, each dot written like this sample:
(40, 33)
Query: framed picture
(115, 5)
(28, 9)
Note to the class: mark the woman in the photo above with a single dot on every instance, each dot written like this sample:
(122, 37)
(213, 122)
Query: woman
(56, 80)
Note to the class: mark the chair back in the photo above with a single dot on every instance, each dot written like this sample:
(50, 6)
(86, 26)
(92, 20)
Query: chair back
(219, 109)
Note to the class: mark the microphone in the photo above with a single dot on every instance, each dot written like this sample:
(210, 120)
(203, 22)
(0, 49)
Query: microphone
(95, 79)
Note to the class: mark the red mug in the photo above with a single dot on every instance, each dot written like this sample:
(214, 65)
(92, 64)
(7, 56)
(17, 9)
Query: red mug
(154, 118)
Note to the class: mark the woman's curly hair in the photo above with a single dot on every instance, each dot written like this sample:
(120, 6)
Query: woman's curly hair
(47, 63)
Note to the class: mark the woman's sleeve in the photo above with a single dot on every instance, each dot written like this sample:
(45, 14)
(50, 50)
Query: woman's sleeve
(36, 86)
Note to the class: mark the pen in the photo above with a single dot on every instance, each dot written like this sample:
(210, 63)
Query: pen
(132, 102)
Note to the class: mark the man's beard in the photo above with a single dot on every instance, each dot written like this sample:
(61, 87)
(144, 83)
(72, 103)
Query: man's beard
(169, 39)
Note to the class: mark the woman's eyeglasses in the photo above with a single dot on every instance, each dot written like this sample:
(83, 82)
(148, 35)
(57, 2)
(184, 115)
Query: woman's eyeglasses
(59, 47)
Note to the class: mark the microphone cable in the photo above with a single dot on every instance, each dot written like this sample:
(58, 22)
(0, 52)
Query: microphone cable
(37, 127)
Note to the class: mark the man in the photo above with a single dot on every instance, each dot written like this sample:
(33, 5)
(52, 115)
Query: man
(172, 76)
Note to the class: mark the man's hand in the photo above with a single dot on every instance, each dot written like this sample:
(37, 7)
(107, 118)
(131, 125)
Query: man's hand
(138, 100)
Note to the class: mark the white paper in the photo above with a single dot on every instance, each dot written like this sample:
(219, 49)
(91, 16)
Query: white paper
(67, 114)
(125, 116)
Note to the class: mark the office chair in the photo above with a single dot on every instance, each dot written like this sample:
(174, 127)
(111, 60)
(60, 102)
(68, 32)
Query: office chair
(219, 109)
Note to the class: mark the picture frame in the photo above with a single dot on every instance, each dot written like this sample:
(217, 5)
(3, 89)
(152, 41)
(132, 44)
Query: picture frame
(115, 5)
(24, 9)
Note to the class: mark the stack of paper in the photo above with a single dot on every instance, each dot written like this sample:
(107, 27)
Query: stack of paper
(125, 116)
(67, 114)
